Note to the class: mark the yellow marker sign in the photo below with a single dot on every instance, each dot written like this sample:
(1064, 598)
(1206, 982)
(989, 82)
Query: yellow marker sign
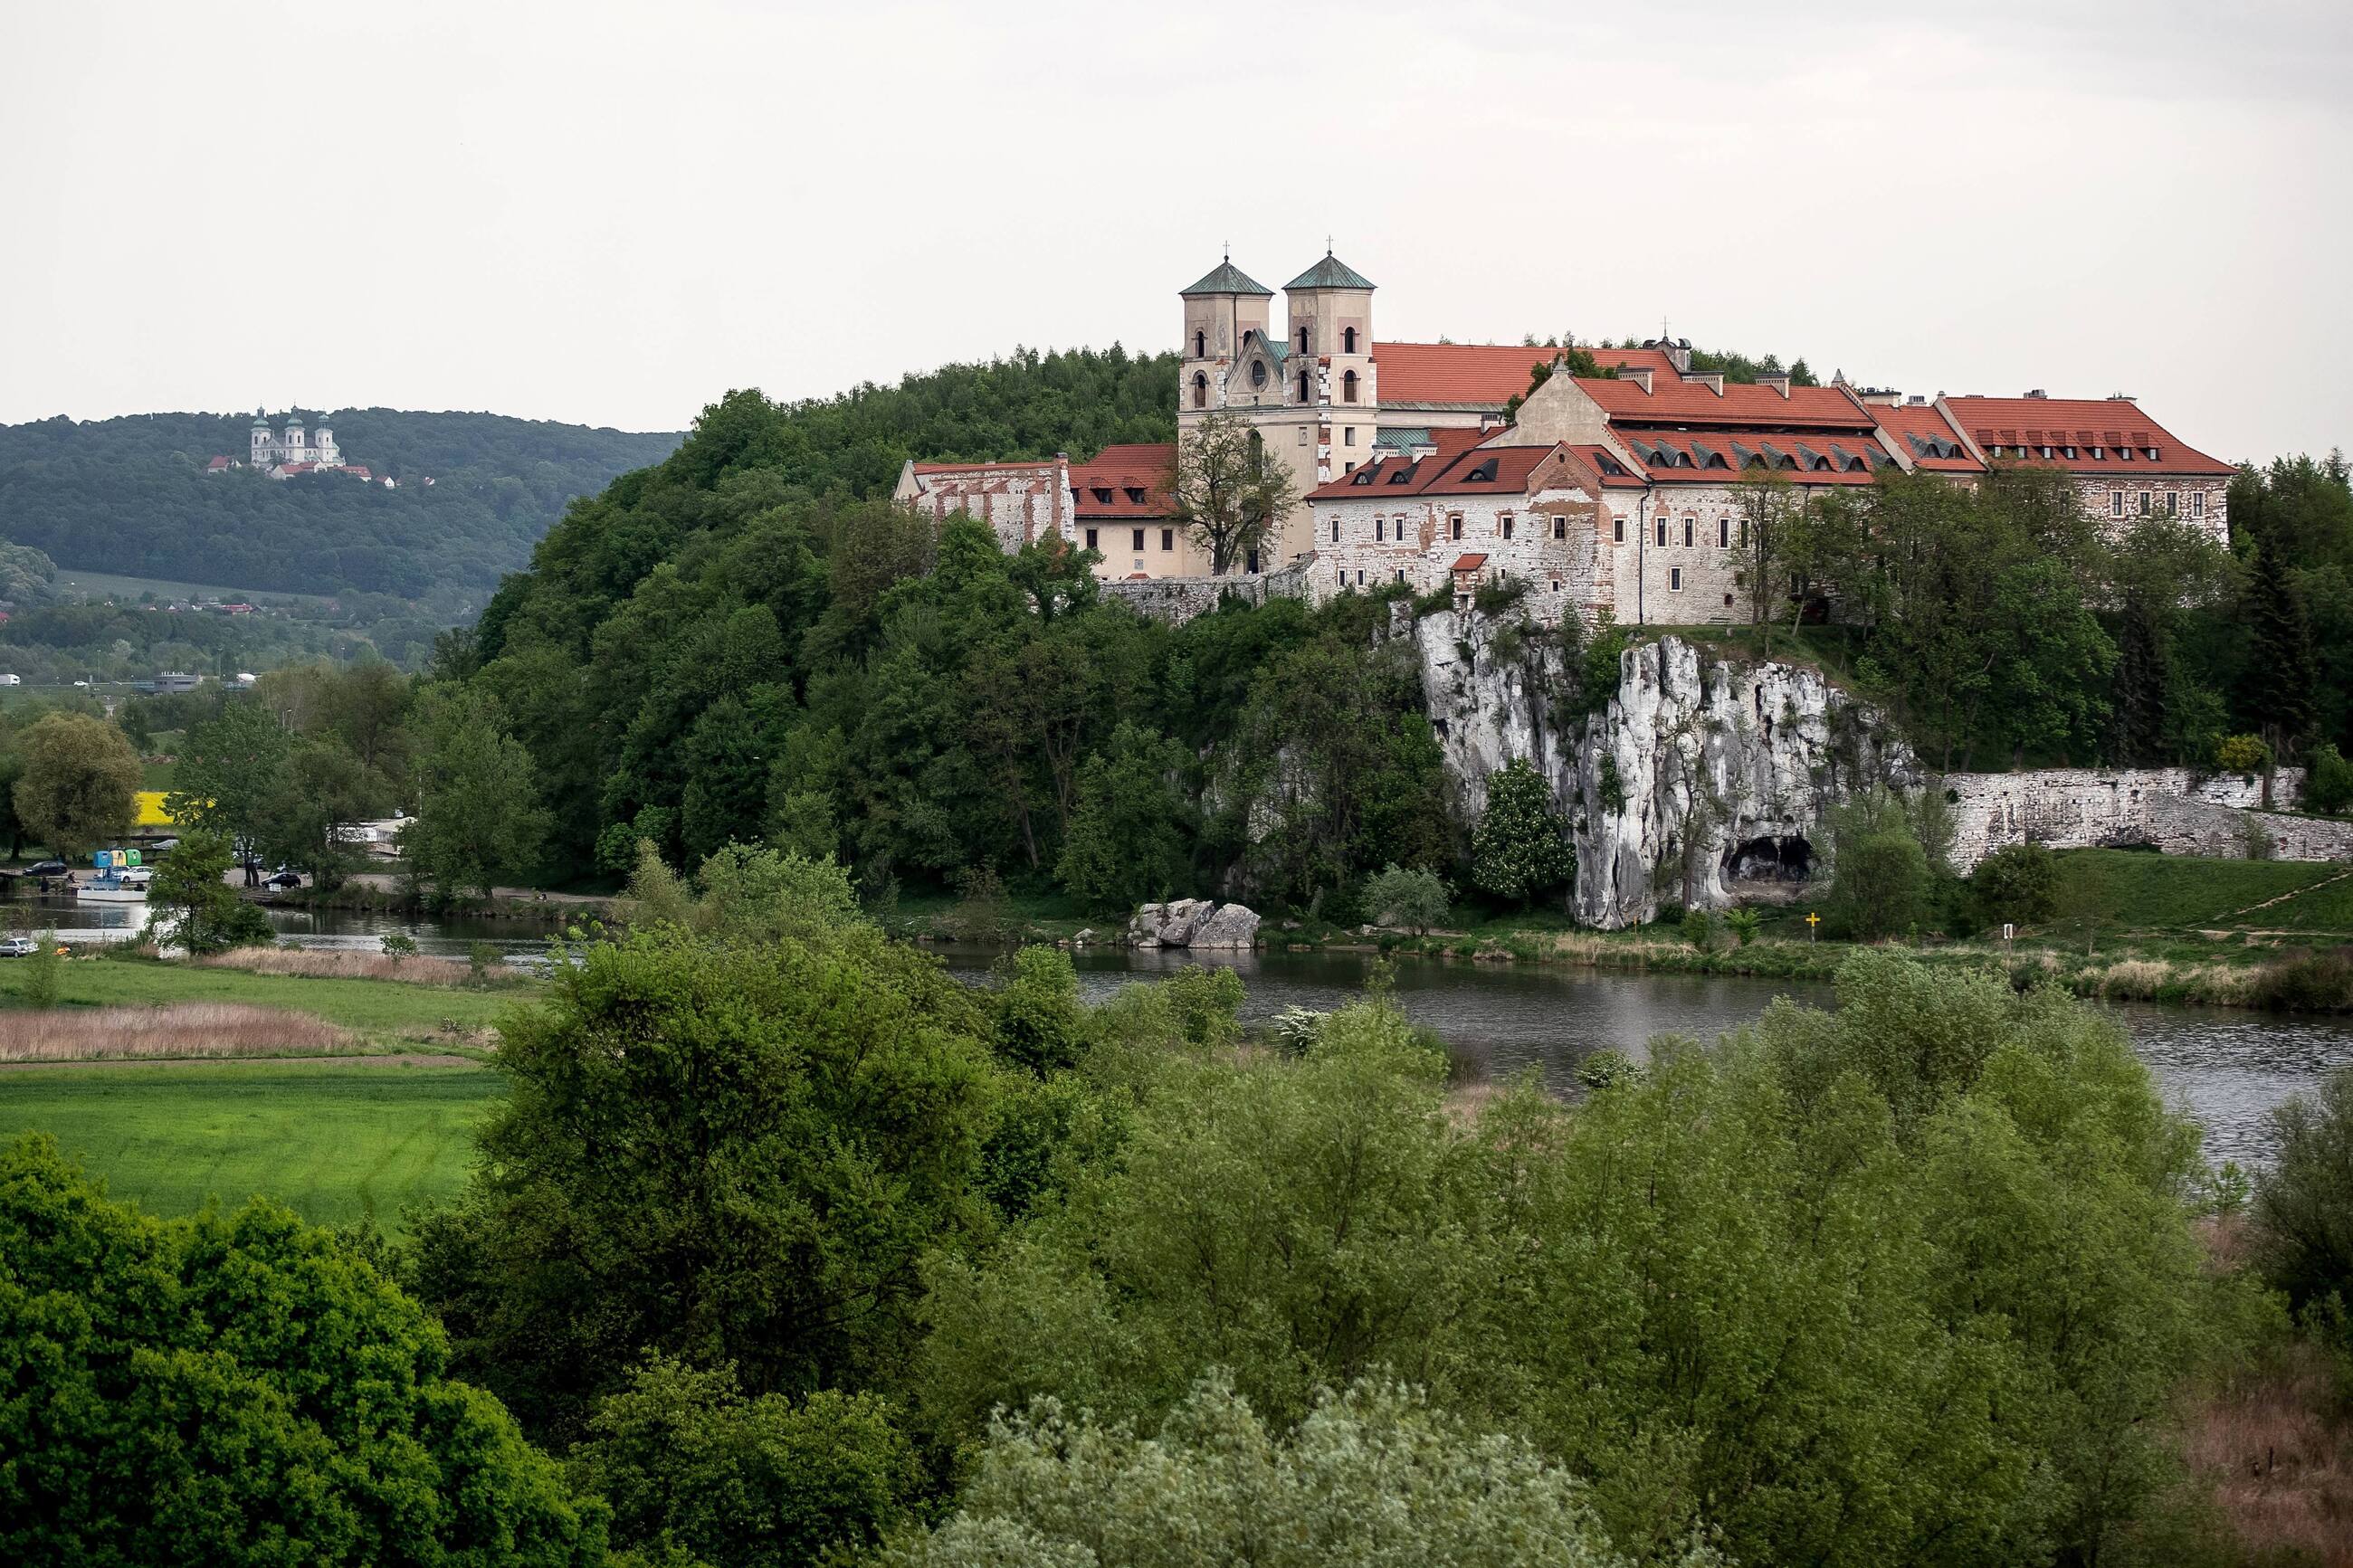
(1811, 922)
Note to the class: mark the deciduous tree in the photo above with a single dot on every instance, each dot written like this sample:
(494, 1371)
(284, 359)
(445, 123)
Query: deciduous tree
(80, 787)
(1225, 490)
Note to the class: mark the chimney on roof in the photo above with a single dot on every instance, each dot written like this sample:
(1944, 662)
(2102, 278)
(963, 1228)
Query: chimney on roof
(2122, 397)
(1774, 380)
(1639, 374)
(2038, 391)
(1917, 401)
(1879, 396)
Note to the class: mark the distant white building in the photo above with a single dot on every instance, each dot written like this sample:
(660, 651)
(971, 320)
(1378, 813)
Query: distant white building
(293, 451)
(12, 681)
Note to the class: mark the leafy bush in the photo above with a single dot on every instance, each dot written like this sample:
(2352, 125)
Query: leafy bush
(2313, 983)
(1744, 923)
(2328, 781)
(2018, 884)
(1699, 928)
(2243, 755)
(398, 946)
(44, 973)
(2304, 1204)
(1413, 897)
(1520, 848)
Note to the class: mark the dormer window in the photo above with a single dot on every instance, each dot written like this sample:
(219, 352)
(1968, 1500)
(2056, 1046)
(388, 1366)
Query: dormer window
(2071, 453)
(1484, 474)
(2099, 453)
(2152, 453)
(1136, 494)
(2046, 452)
(1102, 495)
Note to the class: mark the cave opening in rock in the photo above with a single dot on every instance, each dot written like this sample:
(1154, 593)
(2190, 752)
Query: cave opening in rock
(1770, 859)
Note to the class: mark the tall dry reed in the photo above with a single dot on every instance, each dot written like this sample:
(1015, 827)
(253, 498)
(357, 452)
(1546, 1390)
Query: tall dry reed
(180, 1030)
(312, 963)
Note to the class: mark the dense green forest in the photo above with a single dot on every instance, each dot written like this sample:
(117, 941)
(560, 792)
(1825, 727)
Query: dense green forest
(130, 496)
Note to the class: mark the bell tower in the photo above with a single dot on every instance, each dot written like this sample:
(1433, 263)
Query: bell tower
(1223, 313)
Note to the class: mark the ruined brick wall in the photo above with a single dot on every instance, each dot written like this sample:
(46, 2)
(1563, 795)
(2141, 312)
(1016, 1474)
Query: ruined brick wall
(2180, 811)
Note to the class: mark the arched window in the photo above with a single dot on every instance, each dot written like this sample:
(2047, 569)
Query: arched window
(1258, 376)
(1302, 339)
(1348, 387)
(1201, 345)
(1303, 387)
(1200, 390)
(1347, 340)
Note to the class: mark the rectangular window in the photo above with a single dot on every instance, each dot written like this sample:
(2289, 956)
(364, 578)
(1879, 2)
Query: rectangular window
(2144, 503)
(1454, 525)
(1400, 573)
(1344, 576)
(2173, 503)
(2115, 503)
(1360, 576)
(1347, 435)
(1139, 539)
(1661, 529)
(1723, 534)
(1560, 528)
(1380, 530)
(1507, 526)
(1335, 530)
(2197, 503)
(1167, 539)
(1091, 539)
(1675, 579)
(1688, 527)
(1617, 530)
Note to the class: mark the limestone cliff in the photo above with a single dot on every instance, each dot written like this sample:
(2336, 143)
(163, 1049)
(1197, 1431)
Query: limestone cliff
(1699, 776)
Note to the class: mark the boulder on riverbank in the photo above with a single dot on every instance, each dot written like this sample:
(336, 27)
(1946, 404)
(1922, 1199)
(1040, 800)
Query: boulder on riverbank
(1194, 923)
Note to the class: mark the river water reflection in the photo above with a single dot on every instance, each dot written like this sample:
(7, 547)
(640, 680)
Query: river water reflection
(2227, 1069)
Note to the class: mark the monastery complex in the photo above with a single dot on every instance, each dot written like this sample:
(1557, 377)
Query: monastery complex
(1616, 493)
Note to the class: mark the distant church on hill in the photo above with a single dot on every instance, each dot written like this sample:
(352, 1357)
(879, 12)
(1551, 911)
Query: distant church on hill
(291, 450)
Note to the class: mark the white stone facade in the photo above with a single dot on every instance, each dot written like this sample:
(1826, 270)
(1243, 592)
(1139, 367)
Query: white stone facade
(275, 450)
(1020, 502)
(1549, 537)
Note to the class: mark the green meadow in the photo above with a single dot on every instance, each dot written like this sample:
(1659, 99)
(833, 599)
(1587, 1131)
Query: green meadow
(337, 1144)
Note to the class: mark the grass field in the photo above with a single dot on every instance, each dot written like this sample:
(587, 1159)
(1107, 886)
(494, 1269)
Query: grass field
(106, 585)
(2170, 892)
(335, 1143)
(390, 1013)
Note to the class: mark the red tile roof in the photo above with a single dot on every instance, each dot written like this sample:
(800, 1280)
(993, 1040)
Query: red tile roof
(1607, 467)
(2083, 423)
(1467, 564)
(1442, 475)
(1652, 360)
(216, 464)
(1696, 403)
(1920, 432)
(975, 468)
(1144, 466)
(1478, 374)
(1721, 457)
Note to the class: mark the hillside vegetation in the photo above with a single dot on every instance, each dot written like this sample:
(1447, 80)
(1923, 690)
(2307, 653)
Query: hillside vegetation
(131, 496)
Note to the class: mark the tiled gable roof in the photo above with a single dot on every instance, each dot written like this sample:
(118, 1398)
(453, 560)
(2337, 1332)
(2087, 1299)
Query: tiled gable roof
(1481, 375)
(1698, 402)
(2104, 423)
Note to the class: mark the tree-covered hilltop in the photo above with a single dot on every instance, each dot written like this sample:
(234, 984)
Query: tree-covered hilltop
(130, 496)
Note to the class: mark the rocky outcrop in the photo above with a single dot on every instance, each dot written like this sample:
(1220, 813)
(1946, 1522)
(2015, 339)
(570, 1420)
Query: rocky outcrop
(1199, 923)
(1700, 781)
(1701, 774)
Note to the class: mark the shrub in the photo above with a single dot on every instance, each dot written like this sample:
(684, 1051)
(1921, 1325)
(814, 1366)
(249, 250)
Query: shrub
(2017, 884)
(43, 973)
(1699, 928)
(398, 946)
(479, 958)
(2243, 755)
(979, 913)
(2304, 1204)
(1606, 1066)
(2315, 983)
(2328, 783)
(1520, 850)
(1413, 897)
(1744, 923)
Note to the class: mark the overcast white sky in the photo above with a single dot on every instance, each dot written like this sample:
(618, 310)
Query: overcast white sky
(612, 213)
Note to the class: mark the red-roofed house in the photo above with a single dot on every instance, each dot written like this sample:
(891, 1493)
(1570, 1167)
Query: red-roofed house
(217, 465)
(1528, 512)
(2125, 464)
(1120, 499)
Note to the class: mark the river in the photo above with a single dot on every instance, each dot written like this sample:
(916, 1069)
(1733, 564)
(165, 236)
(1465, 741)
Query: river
(2226, 1069)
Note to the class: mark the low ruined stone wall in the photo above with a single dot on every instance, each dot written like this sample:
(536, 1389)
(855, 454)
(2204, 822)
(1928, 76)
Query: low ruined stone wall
(1178, 599)
(2173, 809)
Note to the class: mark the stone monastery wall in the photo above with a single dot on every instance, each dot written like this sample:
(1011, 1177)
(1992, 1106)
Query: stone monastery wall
(2173, 809)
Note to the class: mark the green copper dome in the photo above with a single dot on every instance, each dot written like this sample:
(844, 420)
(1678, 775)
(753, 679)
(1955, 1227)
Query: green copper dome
(1228, 279)
(1330, 273)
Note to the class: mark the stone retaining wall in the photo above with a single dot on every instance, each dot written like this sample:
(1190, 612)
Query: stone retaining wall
(2173, 809)
(1178, 599)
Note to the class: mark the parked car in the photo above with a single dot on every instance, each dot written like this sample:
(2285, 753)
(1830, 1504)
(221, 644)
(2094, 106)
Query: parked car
(47, 868)
(282, 879)
(18, 947)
